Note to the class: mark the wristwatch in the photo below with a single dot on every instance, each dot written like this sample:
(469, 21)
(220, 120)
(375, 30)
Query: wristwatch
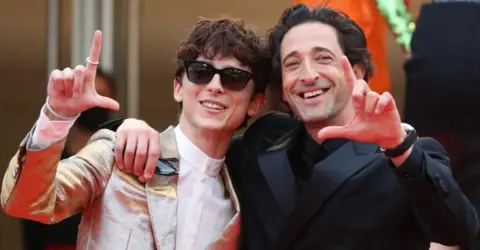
(405, 145)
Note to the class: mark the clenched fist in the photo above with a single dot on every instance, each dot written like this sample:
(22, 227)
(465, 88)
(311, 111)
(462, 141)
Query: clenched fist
(71, 92)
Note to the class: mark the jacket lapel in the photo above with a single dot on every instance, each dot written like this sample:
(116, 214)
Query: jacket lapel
(326, 178)
(229, 238)
(277, 171)
(161, 193)
(273, 207)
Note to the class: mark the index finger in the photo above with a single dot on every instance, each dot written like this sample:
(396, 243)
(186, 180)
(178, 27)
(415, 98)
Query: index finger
(348, 71)
(95, 52)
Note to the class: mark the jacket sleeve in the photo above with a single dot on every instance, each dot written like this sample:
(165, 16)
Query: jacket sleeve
(443, 210)
(38, 186)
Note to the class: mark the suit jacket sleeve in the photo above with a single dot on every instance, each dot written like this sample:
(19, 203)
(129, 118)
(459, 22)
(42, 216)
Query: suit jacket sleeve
(38, 186)
(443, 210)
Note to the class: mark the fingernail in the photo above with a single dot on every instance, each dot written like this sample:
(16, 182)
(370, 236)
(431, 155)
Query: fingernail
(148, 176)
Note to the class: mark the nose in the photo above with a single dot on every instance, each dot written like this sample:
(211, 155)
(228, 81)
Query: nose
(309, 75)
(215, 85)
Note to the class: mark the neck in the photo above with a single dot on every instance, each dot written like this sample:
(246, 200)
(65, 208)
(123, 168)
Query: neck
(342, 119)
(213, 143)
(77, 139)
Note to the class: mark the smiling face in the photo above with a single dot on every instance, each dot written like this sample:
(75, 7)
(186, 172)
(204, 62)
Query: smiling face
(314, 85)
(212, 106)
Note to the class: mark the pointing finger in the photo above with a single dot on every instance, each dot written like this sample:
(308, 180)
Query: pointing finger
(348, 72)
(95, 51)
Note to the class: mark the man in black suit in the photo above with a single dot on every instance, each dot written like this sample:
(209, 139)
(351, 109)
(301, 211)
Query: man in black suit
(344, 173)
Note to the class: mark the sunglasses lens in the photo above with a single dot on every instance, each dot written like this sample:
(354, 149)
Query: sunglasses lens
(200, 73)
(235, 80)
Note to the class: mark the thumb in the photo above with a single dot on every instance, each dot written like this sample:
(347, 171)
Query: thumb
(333, 132)
(105, 102)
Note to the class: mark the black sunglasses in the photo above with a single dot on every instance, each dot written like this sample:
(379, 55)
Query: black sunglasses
(202, 73)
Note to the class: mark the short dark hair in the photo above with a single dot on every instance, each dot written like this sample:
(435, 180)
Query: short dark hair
(350, 36)
(226, 37)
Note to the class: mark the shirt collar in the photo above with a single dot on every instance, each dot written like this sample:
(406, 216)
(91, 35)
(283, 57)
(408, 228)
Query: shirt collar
(190, 153)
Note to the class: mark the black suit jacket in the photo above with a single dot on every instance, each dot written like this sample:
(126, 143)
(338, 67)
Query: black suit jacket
(354, 199)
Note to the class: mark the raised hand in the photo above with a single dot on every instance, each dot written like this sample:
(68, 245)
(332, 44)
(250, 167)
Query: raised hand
(71, 92)
(376, 116)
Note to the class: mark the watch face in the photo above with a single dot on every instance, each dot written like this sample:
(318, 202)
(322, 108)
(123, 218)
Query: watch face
(407, 127)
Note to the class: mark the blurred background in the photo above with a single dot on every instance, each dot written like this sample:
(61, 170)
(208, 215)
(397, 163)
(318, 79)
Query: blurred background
(140, 38)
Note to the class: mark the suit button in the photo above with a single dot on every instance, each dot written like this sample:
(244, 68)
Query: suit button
(406, 175)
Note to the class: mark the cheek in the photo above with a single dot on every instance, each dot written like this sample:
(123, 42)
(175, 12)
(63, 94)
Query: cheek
(191, 91)
(242, 103)
(288, 83)
(331, 72)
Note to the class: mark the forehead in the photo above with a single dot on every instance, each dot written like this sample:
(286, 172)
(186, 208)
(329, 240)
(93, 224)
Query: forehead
(304, 37)
(220, 61)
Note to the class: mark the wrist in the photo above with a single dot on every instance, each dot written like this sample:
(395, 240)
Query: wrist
(394, 142)
(53, 113)
(399, 152)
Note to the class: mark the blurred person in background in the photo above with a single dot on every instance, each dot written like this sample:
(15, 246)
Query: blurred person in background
(63, 236)
(443, 87)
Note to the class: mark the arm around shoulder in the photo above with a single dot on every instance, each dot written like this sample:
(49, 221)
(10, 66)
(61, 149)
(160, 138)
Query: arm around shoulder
(38, 186)
(447, 215)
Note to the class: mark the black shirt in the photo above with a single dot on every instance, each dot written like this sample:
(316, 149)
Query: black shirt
(306, 152)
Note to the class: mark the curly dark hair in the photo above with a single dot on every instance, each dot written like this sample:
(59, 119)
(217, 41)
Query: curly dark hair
(226, 37)
(350, 36)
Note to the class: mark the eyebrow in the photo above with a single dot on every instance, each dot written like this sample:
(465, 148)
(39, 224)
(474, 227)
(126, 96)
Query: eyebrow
(316, 49)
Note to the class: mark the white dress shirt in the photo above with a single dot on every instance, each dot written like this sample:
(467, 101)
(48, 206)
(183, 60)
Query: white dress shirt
(203, 208)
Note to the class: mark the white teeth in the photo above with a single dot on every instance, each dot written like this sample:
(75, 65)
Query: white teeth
(212, 105)
(313, 93)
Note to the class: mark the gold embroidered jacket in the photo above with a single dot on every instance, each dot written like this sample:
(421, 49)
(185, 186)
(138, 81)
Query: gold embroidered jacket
(119, 212)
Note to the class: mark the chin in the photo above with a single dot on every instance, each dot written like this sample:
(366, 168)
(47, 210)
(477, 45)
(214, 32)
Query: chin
(313, 118)
(209, 125)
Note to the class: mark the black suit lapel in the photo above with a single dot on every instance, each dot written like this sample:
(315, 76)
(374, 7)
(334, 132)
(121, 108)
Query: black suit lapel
(327, 177)
(276, 193)
(277, 171)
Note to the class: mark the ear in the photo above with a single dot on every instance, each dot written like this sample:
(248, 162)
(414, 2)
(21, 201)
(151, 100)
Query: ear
(256, 105)
(177, 90)
(359, 71)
